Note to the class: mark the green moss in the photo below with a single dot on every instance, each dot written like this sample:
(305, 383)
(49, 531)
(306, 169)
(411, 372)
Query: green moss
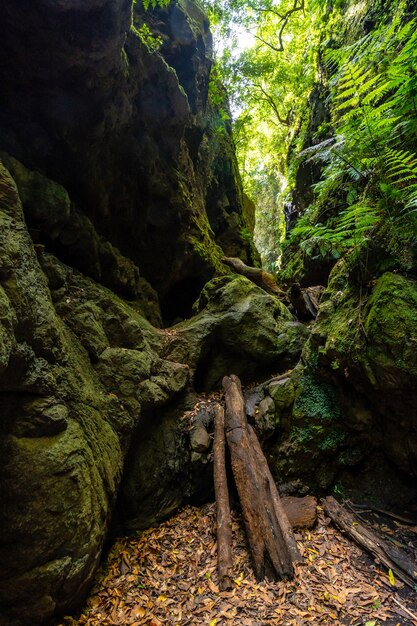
(316, 400)
(391, 323)
(333, 439)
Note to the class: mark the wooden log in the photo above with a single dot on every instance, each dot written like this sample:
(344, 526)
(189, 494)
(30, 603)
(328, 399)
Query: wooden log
(262, 279)
(301, 512)
(390, 556)
(224, 522)
(272, 557)
(280, 513)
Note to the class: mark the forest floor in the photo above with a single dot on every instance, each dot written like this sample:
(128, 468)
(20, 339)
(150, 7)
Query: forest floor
(167, 576)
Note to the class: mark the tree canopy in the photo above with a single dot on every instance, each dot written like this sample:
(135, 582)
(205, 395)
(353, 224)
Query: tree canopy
(273, 54)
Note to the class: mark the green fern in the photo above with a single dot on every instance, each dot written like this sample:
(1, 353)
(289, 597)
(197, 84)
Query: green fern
(374, 109)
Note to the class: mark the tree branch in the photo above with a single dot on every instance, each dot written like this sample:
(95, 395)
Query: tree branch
(266, 97)
(298, 6)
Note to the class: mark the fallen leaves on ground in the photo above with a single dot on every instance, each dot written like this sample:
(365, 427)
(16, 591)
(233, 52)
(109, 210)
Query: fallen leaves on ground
(168, 576)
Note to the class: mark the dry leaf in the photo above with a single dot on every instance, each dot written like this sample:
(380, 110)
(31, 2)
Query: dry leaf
(172, 579)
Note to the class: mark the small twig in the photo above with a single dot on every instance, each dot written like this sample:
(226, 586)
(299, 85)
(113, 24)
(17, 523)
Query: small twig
(404, 608)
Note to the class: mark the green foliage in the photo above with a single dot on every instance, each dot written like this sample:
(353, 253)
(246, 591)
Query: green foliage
(373, 149)
(266, 61)
(140, 27)
(366, 150)
(218, 101)
(151, 41)
(154, 3)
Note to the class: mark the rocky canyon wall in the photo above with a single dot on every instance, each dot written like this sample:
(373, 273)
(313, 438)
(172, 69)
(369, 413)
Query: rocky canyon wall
(119, 195)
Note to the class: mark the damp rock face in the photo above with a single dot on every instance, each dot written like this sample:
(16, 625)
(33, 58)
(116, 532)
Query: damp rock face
(126, 125)
(62, 459)
(370, 347)
(82, 375)
(349, 405)
(91, 396)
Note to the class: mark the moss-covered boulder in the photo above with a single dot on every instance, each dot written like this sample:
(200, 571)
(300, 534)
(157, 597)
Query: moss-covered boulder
(61, 458)
(350, 404)
(238, 328)
(299, 416)
(368, 339)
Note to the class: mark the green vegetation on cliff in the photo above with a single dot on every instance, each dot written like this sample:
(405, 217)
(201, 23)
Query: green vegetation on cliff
(324, 96)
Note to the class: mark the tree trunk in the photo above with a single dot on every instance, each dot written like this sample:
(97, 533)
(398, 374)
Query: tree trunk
(281, 516)
(390, 556)
(271, 554)
(224, 522)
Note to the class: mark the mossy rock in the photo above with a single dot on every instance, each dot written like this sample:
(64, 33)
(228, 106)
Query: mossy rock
(309, 451)
(62, 460)
(238, 329)
(391, 329)
(367, 339)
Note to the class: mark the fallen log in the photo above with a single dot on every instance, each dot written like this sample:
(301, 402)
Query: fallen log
(262, 279)
(267, 534)
(390, 556)
(224, 522)
(272, 491)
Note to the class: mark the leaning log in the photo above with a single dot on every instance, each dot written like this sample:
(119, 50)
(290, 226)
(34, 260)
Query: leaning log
(267, 535)
(272, 491)
(390, 556)
(224, 522)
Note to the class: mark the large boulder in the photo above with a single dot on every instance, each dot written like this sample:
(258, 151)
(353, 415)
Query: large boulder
(238, 328)
(369, 341)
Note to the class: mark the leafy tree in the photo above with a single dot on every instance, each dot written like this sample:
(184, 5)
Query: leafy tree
(367, 152)
(268, 80)
(371, 159)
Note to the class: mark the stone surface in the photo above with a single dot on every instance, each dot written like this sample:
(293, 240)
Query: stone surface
(371, 348)
(238, 329)
(62, 460)
(82, 372)
(130, 132)
(199, 439)
(350, 404)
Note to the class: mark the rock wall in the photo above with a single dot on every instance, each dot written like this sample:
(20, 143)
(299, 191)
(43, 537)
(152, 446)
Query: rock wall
(92, 397)
(125, 129)
(119, 195)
